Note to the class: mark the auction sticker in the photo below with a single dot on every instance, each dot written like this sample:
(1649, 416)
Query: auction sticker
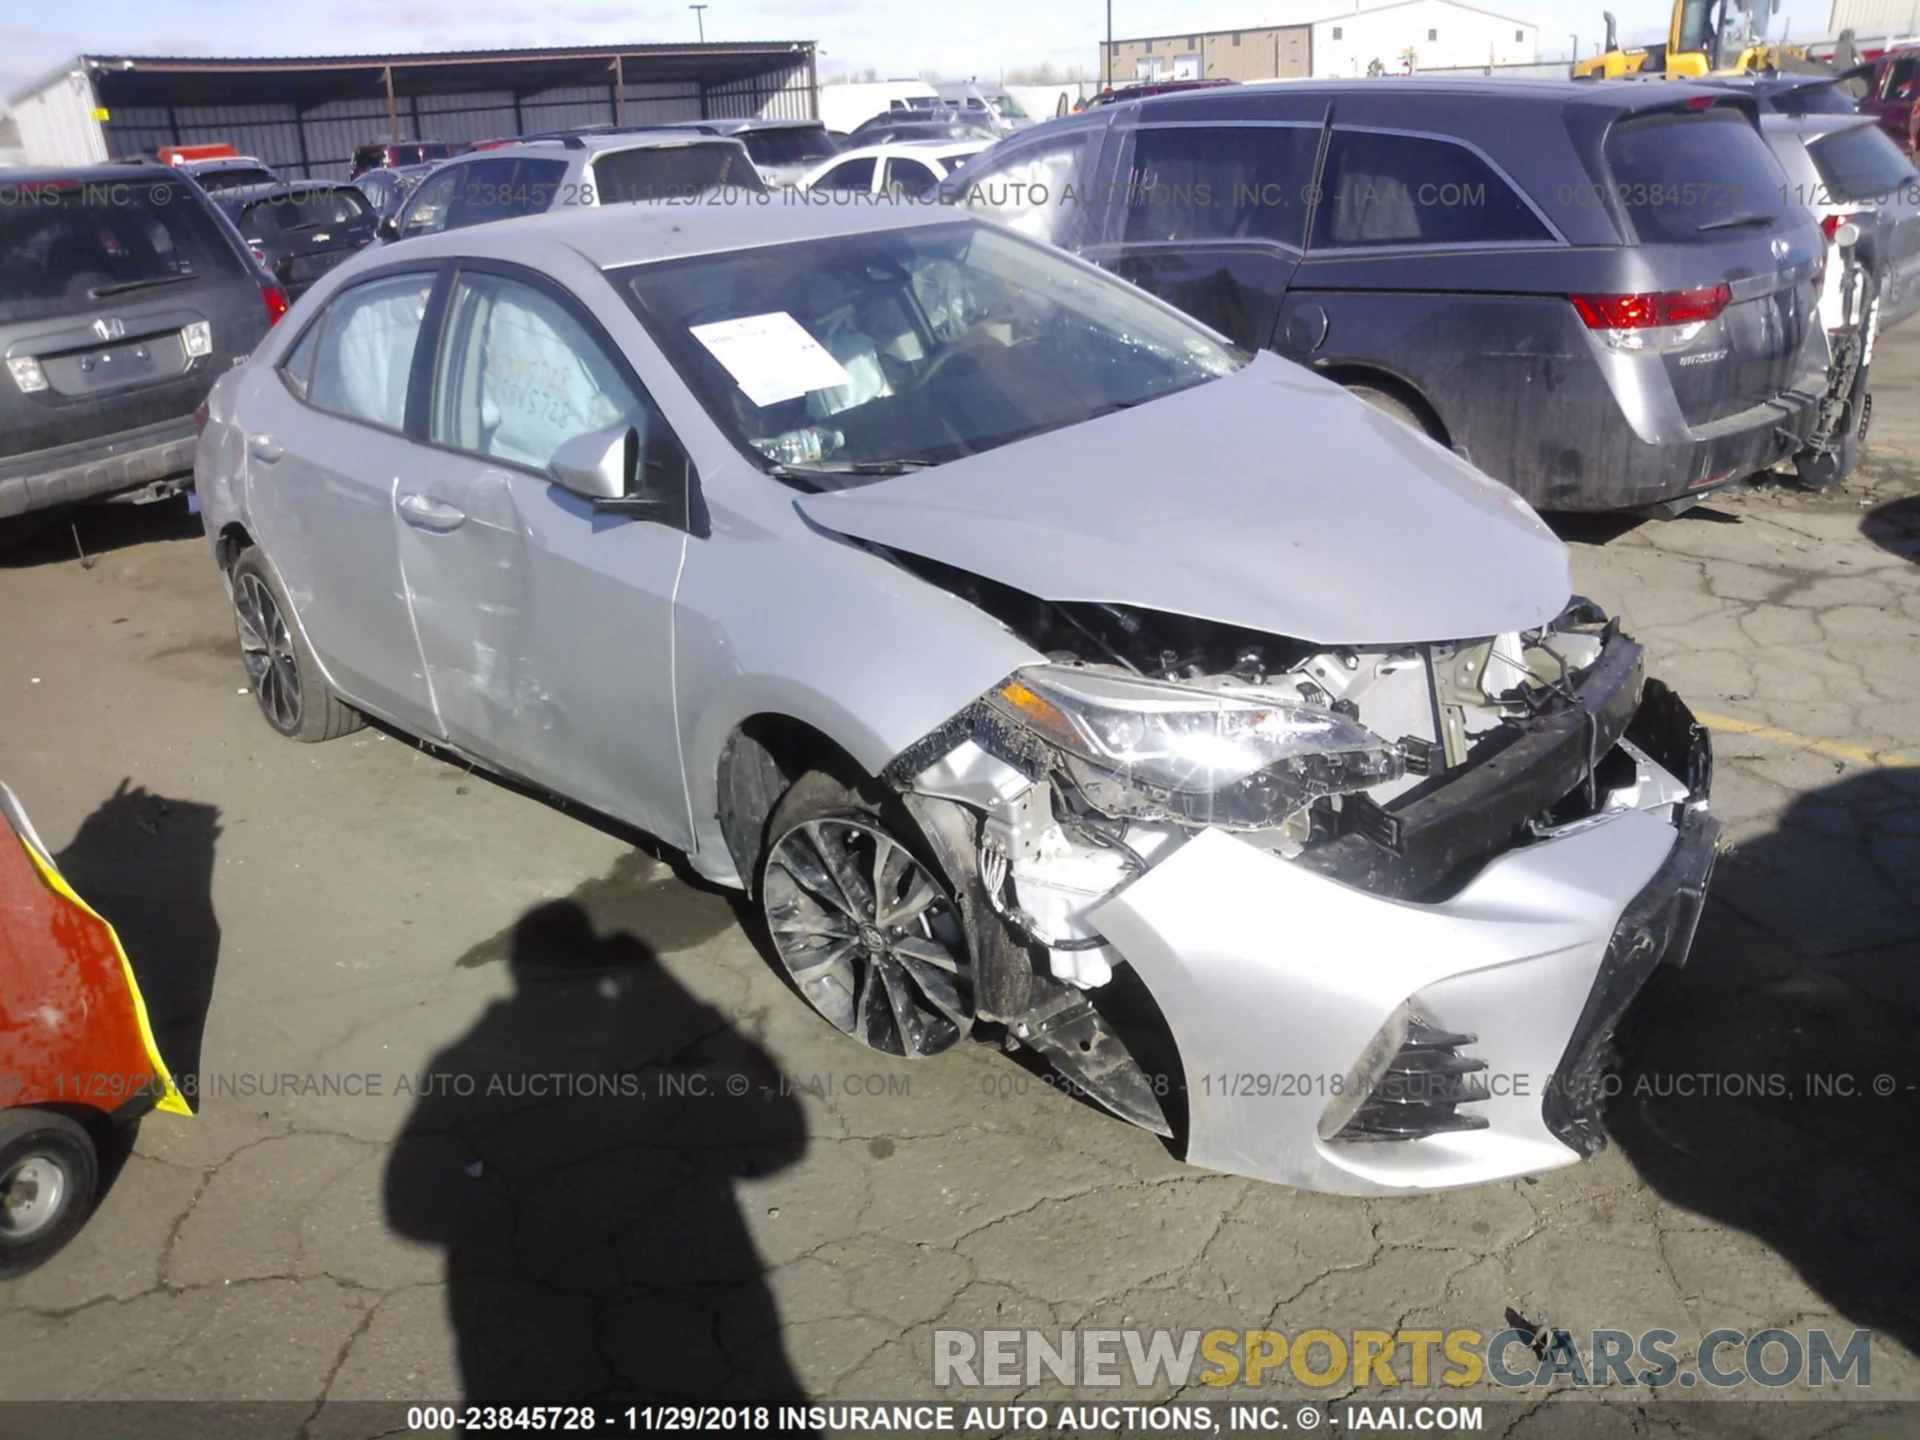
(771, 357)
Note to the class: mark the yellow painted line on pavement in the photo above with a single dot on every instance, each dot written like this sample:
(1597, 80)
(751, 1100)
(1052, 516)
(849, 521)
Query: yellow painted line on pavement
(1833, 749)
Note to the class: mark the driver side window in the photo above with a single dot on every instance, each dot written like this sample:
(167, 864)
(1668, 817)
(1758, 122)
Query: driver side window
(426, 212)
(520, 375)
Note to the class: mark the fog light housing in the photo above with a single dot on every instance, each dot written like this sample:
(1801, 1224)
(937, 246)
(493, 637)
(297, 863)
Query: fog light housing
(197, 338)
(1409, 1083)
(27, 373)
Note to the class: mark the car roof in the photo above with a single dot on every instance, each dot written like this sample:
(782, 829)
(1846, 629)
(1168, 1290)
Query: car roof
(1599, 94)
(918, 146)
(734, 125)
(81, 174)
(609, 237)
(223, 162)
(600, 144)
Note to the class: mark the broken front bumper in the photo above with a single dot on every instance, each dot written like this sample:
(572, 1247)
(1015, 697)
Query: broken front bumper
(1275, 980)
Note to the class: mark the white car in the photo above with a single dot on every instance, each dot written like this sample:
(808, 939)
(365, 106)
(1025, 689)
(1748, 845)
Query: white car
(580, 169)
(906, 168)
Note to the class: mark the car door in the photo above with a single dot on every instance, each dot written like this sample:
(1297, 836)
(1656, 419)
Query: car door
(323, 465)
(546, 626)
(1213, 219)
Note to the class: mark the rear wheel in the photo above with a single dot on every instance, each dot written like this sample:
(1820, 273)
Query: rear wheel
(293, 695)
(863, 921)
(1392, 405)
(48, 1173)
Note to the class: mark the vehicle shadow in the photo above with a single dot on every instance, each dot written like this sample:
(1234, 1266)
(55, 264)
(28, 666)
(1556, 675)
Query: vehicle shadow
(1895, 527)
(78, 533)
(576, 1155)
(145, 863)
(1772, 1083)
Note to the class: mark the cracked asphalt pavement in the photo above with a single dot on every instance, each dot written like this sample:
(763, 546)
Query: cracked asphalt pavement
(339, 933)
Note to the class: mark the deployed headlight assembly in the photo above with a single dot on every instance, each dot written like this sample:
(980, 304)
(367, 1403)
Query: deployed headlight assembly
(1150, 749)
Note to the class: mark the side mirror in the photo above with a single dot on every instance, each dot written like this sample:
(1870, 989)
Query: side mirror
(389, 228)
(622, 475)
(1847, 236)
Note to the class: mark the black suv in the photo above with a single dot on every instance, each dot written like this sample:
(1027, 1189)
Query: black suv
(1602, 295)
(124, 295)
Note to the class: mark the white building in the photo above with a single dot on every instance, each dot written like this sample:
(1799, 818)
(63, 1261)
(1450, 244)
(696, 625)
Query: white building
(1281, 39)
(1419, 35)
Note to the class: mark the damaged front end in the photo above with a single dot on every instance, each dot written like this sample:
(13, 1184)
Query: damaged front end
(1388, 901)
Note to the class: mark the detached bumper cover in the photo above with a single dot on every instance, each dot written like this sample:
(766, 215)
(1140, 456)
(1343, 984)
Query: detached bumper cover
(1658, 926)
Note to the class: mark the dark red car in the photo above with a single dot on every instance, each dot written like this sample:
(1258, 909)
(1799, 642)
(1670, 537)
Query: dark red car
(1886, 88)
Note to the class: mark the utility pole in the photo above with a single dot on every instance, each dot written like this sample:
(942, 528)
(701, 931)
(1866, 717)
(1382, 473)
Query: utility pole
(702, 19)
(1107, 69)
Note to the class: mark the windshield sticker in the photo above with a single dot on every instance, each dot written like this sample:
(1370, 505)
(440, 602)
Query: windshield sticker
(771, 357)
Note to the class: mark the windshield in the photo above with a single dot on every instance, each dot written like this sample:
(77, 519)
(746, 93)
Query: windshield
(233, 179)
(673, 172)
(302, 210)
(798, 146)
(1008, 107)
(64, 248)
(912, 346)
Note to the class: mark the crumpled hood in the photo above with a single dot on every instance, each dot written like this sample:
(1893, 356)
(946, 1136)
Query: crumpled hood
(1268, 499)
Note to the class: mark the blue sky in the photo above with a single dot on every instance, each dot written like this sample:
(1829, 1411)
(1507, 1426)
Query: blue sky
(895, 37)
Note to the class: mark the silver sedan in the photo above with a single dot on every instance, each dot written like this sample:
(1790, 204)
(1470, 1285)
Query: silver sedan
(1015, 640)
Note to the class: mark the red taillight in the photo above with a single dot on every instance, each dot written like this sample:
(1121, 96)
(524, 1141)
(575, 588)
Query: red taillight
(1830, 224)
(1644, 312)
(200, 420)
(276, 301)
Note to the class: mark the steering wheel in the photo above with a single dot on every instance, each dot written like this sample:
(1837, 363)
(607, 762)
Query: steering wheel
(971, 343)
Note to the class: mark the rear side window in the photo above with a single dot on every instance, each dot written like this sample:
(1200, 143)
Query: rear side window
(1386, 189)
(366, 345)
(67, 249)
(1861, 164)
(669, 172)
(1693, 177)
(1221, 183)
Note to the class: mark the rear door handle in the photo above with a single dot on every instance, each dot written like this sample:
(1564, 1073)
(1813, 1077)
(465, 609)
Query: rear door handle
(425, 514)
(265, 447)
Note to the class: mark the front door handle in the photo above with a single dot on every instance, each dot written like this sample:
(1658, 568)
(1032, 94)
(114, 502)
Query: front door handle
(265, 447)
(425, 514)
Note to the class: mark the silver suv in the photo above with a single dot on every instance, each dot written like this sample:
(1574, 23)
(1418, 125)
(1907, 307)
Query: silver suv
(575, 169)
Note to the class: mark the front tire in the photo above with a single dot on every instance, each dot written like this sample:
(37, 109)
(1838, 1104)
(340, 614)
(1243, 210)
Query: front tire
(285, 678)
(863, 921)
(49, 1172)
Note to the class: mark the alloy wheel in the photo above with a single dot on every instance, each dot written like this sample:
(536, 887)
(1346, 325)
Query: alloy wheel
(871, 938)
(266, 645)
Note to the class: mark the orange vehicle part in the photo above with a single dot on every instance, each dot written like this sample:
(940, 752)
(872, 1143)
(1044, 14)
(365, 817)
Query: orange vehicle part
(176, 154)
(73, 1027)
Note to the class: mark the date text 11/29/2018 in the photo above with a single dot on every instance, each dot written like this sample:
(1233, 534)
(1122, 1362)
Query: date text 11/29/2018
(740, 1419)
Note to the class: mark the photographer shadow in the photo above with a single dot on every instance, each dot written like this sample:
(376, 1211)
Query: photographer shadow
(1771, 1084)
(576, 1155)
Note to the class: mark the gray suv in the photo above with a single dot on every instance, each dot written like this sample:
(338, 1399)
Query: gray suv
(1604, 296)
(124, 295)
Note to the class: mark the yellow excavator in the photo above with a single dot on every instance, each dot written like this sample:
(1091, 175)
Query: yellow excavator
(1703, 37)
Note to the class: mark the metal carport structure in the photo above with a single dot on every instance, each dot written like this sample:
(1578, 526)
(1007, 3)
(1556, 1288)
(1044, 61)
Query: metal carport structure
(304, 115)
